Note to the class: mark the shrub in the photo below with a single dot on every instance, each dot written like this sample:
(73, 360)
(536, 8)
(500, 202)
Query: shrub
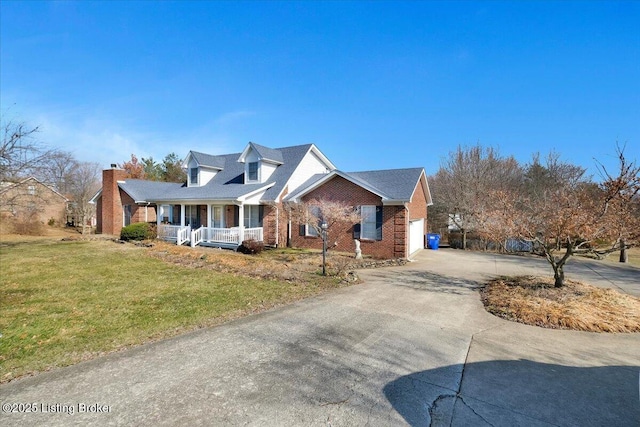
(28, 225)
(138, 231)
(251, 247)
(51, 222)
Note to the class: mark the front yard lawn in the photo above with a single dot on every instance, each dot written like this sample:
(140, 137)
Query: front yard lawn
(64, 302)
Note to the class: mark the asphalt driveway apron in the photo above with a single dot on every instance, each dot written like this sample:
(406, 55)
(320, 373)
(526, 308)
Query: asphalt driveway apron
(411, 346)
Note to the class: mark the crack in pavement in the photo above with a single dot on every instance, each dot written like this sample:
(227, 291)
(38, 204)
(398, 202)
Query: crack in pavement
(457, 395)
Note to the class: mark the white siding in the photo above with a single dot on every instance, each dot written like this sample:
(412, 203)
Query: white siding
(255, 199)
(309, 166)
(266, 170)
(206, 175)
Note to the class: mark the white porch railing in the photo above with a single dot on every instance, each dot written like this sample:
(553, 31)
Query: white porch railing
(168, 232)
(180, 234)
(196, 237)
(221, 235)
(230, 235)
(253, 234)
(183, 235)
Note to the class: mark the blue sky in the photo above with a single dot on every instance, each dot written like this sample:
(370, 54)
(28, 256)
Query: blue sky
(374, 85)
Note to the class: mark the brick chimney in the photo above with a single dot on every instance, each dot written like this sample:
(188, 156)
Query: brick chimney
(111, 204)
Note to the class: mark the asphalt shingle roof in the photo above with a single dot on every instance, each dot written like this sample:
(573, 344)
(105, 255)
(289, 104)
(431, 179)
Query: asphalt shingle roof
(208, 160)
(391, 184)
(267, 153)
(227, 184)
(395, 184)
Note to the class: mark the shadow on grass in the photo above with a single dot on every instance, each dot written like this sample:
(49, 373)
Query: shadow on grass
(519, 392)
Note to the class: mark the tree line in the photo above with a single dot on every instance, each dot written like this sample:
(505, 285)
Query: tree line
(23, 155)
(551, 204)
(168, 170)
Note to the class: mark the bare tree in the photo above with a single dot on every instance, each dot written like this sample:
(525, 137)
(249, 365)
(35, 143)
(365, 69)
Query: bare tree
(20, 153)
(499, 220)
(323, 216)
(465, 178)
(316, 212)
(621, 206)
(559, 211)
(58, 170)
(86, 182)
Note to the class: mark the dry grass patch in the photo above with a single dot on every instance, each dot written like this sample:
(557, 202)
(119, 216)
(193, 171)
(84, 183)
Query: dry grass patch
(577, 306)
(300, 265)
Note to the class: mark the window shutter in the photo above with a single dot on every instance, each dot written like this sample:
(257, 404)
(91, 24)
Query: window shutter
(260, 215)
(378, 222)
(302, 230)
(356, 231)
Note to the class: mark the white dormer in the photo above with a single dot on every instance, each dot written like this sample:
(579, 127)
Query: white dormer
(259, 163)
(201, 168)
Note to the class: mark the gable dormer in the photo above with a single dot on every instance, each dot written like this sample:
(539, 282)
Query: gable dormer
(201, 168)
(259, 163)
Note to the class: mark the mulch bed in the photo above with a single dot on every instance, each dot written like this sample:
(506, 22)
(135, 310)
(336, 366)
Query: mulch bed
(576, 306)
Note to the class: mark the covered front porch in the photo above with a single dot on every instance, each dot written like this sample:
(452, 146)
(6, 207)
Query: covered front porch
(214, 225)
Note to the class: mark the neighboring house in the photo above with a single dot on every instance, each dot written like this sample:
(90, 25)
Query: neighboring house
(235, 197)
(32, 200)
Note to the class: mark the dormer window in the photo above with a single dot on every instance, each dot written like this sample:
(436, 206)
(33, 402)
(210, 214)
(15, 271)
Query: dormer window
(194, 175)
(253, 171)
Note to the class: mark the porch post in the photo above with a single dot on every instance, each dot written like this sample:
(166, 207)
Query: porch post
(241, 223)
(159, 212)
(208, 223)
(182, 215)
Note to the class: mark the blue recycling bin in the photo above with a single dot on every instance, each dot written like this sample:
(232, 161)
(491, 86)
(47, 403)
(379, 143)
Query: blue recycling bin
(433, 241)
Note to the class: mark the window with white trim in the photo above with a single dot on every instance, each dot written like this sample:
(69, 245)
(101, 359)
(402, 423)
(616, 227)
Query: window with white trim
(368, 221)
(252, 173)
(370, 227)
(194, 175)
(315, 215)
(252, 216)
(126, 215)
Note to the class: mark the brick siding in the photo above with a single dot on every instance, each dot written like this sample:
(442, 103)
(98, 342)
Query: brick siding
(109, 209)
(418, 204)
(340, 238)
(32, 200)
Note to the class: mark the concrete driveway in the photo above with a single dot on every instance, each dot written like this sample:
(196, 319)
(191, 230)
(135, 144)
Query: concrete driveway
(411, 346)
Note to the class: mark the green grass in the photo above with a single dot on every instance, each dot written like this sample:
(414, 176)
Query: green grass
(633, 254)
(63, 302)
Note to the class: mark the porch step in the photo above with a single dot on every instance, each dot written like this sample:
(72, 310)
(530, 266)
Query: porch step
(232, 246)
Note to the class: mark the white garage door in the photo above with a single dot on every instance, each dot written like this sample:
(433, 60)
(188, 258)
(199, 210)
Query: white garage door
(416, 235)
